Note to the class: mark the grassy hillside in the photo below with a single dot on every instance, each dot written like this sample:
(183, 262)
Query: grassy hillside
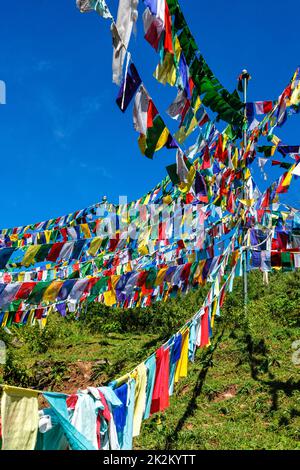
(243, 392)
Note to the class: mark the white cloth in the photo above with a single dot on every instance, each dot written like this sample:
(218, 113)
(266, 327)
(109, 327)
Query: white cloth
(72, 233)
(159, 18)
(140, 111)
(84, 418)
(121, 32)
(112, 401)
(176, 108)
(78, 289)
(98, 5)
(66, 250)
(296, 170)
(198, 332)
(113, 436)
(8, 293)
(45, 422)
(19, 415)
(297, 260)
(182, 170)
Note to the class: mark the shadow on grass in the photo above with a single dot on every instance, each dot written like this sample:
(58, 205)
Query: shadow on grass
(288, 387)
(153, 343)
(259, 363)
(192, 405)
(257, 356)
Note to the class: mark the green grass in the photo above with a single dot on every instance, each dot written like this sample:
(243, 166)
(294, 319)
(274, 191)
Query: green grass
(242, 392)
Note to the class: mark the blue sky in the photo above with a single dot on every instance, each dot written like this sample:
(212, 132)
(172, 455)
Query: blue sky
(64, 142)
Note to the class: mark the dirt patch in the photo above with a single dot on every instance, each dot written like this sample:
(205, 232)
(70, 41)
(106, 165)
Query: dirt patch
(79, 377)
(189, 426)
(76, 376)
(185, 390)
(85, 369)
(228, 393)
(65, 377)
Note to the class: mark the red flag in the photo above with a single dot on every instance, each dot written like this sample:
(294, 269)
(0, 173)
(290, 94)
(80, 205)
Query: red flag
(152, 112)
(219, 148)
(206, 159)
(54, 252)
(230, 203)
(168, 42)
(204, 329)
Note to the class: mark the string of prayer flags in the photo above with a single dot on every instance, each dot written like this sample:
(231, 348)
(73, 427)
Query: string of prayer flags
(180, 60)
(86, 257)
(107, 417)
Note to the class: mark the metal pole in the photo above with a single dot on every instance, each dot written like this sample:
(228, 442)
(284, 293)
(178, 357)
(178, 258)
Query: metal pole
(245, 78)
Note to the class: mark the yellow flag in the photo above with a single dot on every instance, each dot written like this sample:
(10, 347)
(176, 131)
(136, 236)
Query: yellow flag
(114, 280)
(160, 276)
(51, 292)
(163, 139)
(30, 255)
(247, 173)
(247, 202)
(142, 143)
(143, 250)
(146, 201)
(47, 235)
(180, 135)
(191, 258)
(166, 72)
(177, 49)
(167, 199)
(86, 230)
(94, 246)
(215, 304)
(5, 318)
(225, 140)
(197, 104)
(288, 178)
(182, 364)
(110, 298)
(235, 159)
(275, 140)
(192, 126)
(185, 187)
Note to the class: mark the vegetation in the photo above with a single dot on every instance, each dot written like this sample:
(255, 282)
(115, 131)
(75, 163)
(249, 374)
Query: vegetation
(242, 392)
